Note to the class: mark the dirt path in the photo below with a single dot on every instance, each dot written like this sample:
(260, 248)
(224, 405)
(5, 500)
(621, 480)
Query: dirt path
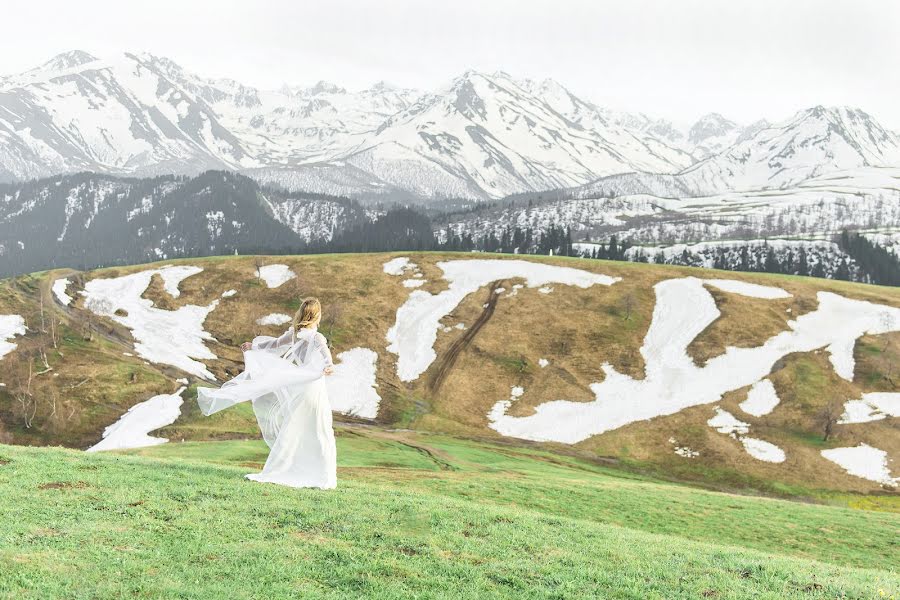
(443, 368)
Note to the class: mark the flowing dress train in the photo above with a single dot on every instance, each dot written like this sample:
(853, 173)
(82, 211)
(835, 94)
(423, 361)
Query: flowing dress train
(283, 378)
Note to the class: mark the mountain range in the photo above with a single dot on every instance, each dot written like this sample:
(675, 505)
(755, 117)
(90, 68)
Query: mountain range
(483, 136)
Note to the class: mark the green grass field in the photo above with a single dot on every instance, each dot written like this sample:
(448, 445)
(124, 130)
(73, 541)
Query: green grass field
(414, 516)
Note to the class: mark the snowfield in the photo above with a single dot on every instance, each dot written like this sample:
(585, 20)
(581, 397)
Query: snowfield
(414, 333)
(684, 308)
(133, 428)
(10, 326)
(171, 337)
(863, 461)
(276, 275)
(59, 290)
(352, 387)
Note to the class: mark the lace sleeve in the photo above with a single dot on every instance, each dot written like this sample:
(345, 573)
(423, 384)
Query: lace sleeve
(274, 344)
(322, 349)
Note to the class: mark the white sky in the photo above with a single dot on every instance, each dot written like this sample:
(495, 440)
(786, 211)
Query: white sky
(672, 58)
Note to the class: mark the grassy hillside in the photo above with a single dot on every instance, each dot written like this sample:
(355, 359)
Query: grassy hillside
(415, 515)
(96, 375)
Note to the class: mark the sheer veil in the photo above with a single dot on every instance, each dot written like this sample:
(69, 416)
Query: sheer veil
(270, 378)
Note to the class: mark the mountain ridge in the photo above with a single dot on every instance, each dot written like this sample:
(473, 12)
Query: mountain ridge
(483, 136)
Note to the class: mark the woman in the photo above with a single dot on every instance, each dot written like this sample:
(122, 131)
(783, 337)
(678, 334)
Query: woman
(283, 377)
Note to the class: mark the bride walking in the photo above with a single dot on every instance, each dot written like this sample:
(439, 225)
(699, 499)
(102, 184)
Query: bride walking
(284, 378)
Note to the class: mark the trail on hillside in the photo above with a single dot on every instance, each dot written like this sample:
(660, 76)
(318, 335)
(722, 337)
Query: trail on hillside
(445, 365)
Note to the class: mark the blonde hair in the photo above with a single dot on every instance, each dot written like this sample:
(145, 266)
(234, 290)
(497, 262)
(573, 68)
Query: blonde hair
(309, 314)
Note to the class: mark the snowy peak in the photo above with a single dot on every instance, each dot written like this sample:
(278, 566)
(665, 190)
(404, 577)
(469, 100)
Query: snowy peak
(712, 134)
(67, 60)
(711, 125)
(815, 141)
(874, 144)
(324, 87)
(496, 135)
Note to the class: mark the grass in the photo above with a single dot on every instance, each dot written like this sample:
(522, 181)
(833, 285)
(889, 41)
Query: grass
(447, 519)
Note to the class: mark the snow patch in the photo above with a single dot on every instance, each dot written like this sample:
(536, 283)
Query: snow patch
(59, 290)
(171, 337)
(872, 407)
(133, 428)
(725, 422)
(10, 326)
(413, 283)
(229, 293)
(761, 399)
(500, 408)
(173, 276)
(762, 450)
(352, 386)
(752, 290)
(673, 382)
(863, 461)
(543, 362)
(396, 266)
(276, 275)
(413, 334)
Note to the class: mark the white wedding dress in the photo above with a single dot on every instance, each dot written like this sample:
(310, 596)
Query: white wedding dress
(283, 378)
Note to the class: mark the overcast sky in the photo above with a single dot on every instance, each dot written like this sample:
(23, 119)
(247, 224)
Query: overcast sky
(675, 59)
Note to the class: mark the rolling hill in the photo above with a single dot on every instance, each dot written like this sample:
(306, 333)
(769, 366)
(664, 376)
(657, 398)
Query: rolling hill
(414, 515)
(778, 384)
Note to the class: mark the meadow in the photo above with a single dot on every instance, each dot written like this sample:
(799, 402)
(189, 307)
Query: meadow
(415, 516)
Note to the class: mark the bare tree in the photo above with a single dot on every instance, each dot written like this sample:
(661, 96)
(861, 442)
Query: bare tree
(54, 334)
(85, 324)
(886, 322)
(333, 313)
(829, 416)
(886, 366)
(43, 327)
(19, 367)
(258, 264)
(627, 305)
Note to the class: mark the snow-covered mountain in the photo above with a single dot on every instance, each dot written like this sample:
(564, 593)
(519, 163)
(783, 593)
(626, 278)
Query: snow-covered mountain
(490, 134)
(813, 142)
(483, 136)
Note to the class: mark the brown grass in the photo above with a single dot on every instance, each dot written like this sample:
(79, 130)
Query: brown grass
(576, 330)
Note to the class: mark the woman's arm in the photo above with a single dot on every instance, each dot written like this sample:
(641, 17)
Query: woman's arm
(270, 343)
(322, 349)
